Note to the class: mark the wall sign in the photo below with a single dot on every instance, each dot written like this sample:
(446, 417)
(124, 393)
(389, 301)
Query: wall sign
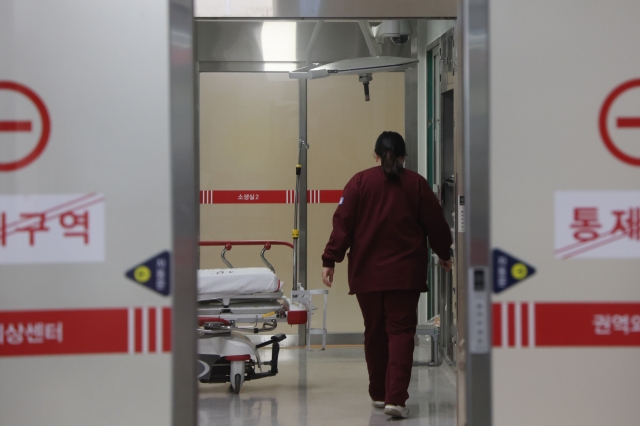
(508, 270)
(597, 224)
(52, 228)
(620, 122)
(140, 330)
(26, 127)
(154, 273)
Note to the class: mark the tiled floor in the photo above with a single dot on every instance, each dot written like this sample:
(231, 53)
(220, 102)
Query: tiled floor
(326, 388)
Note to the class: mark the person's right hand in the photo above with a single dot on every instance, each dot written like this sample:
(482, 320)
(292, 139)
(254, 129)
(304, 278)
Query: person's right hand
(327, 276)
(446, 264)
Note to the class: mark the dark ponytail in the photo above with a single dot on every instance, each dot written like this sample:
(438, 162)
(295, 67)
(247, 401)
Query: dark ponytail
(390, 147)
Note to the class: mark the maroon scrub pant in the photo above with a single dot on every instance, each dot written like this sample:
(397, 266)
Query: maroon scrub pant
(390, 319)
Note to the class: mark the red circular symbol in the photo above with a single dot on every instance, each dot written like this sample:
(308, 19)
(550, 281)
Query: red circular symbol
(622, 122)
(21, 126)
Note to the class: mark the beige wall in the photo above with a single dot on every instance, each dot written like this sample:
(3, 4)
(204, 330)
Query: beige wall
(248, 140)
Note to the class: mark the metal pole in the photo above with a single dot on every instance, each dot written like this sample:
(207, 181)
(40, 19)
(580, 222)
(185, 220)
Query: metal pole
(296, 232)
(302, 199)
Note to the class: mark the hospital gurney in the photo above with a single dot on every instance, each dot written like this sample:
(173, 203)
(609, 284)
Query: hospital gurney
(252, 297)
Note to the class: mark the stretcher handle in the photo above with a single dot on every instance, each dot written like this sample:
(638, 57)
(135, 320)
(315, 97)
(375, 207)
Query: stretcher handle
(264, 259)
(228, 244)
(224, 259)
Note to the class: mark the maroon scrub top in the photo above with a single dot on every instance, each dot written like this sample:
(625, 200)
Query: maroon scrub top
(386, 223)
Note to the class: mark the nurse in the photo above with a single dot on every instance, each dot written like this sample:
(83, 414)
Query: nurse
(386, 217)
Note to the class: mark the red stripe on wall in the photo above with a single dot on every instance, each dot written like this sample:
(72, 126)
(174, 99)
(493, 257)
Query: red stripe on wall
(166, 329)
(249, 197)
(324, 196)
(587, 324)
(62, 332)
(138, 328)
(330, 196)
(580, 324)
(497, 324)
(525, 324)
(512, 324)
(152, 329)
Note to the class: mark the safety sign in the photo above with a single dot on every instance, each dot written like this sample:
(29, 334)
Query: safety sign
(155, 273)
(51, 228)
(508, 270)
(597, 224)
(620, 122)
(25, 126)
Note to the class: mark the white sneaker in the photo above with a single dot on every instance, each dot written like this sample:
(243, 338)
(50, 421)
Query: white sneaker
(377, 404)
(396, 411)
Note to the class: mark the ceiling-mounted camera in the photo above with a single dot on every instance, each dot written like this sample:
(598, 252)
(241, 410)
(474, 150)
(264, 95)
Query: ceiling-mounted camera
(401, 39)
(398, 30)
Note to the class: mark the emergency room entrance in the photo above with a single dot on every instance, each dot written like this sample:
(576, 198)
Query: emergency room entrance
(256, 121)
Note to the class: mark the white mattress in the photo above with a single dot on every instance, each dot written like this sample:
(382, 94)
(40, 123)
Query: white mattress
(237, 281)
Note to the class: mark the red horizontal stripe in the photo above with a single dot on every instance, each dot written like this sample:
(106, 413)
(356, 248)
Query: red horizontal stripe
(244, 197)
(82, 331)
(70, 332)
(15, 126)
(572, 324)
(279, 196)
(579, 324)
(330, 195)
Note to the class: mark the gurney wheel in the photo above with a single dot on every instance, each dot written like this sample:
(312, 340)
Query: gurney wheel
(237, 383)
